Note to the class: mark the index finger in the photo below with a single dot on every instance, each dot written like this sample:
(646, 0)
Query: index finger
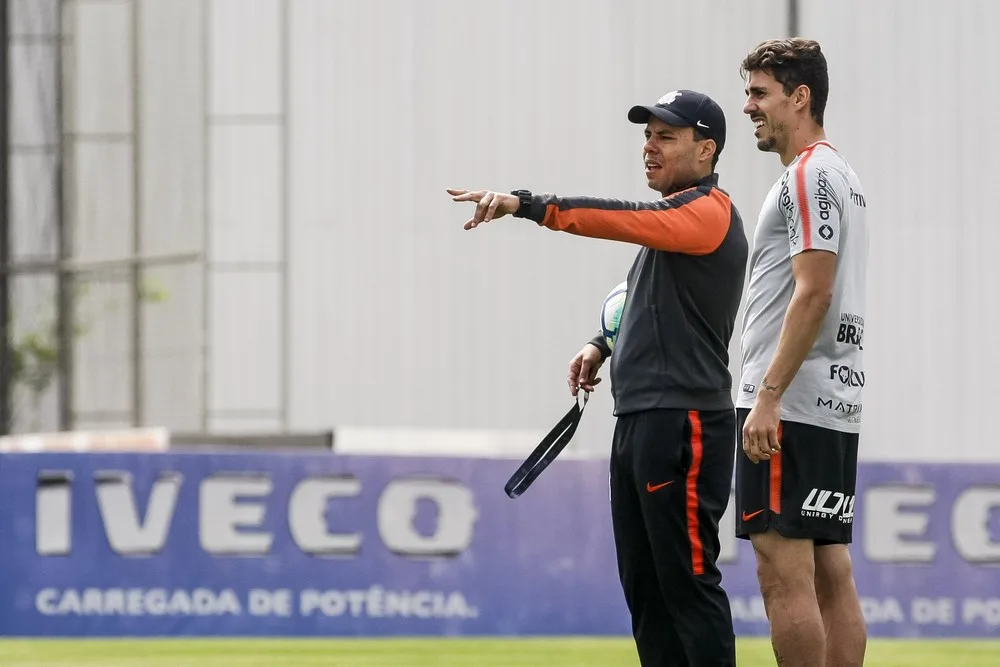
(470, 196)
(574, 371)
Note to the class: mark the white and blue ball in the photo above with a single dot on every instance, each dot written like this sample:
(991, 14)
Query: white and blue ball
(611, 313)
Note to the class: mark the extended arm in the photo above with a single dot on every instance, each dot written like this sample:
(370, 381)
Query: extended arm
(693, 221)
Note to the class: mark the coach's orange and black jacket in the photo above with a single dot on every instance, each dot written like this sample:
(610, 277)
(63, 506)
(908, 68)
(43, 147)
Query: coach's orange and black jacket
(684, 291)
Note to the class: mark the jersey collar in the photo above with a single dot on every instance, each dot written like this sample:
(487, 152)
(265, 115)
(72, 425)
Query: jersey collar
(813, 145)
(711, 180)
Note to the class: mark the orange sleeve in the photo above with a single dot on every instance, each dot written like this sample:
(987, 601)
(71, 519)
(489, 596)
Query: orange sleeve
(693, 221)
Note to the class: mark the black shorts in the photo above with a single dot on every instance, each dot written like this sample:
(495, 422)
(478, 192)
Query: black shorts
(805, 491)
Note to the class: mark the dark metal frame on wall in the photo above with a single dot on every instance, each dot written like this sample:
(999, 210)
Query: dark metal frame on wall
(66, 306)
(6, 353)
(56, 264)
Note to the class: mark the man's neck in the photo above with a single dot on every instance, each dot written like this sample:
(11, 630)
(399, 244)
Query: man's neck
(807, 134)
(674, 189)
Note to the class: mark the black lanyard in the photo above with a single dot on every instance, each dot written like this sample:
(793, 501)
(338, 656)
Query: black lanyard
(547, 450)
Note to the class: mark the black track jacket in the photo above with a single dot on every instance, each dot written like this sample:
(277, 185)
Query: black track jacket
(684, 291)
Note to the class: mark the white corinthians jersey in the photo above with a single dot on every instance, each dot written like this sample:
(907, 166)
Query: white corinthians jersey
(818, 204)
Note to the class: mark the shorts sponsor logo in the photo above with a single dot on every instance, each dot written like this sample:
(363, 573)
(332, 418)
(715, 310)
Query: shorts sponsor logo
(851, 330)
(824, 504)
(749, 388)
(847, 375)
(823, 201)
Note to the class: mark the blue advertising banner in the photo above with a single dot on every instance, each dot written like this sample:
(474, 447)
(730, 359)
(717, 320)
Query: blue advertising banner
(272, 544)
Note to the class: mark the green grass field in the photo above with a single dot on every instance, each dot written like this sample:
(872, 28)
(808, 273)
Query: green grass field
(571, 652)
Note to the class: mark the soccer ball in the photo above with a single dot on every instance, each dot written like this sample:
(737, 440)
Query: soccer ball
(611, 313)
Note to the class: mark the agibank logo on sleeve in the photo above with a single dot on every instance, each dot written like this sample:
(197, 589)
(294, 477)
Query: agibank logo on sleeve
(824, 202)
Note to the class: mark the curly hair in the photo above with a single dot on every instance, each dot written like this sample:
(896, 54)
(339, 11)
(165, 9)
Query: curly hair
(793, 63)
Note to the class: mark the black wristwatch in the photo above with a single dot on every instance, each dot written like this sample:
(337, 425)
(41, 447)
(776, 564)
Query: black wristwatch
(524, 196)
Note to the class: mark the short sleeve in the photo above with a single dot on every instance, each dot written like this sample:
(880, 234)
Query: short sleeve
(812, 203)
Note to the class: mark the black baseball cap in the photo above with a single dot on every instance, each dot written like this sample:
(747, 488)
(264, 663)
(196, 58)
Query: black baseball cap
(686, 108)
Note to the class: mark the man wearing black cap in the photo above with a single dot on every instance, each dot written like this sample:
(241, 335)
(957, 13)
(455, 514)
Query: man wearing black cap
(675, 437)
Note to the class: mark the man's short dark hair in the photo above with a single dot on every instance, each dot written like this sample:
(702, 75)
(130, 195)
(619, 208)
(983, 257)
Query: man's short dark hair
(793, 63)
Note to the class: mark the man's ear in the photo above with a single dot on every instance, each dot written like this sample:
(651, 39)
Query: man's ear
(707, 150)
(802, 97)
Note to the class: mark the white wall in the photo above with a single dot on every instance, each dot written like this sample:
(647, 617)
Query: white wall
(403, 318)
(912, 105)
(397, 318)
(173, 204)
(101, 201)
